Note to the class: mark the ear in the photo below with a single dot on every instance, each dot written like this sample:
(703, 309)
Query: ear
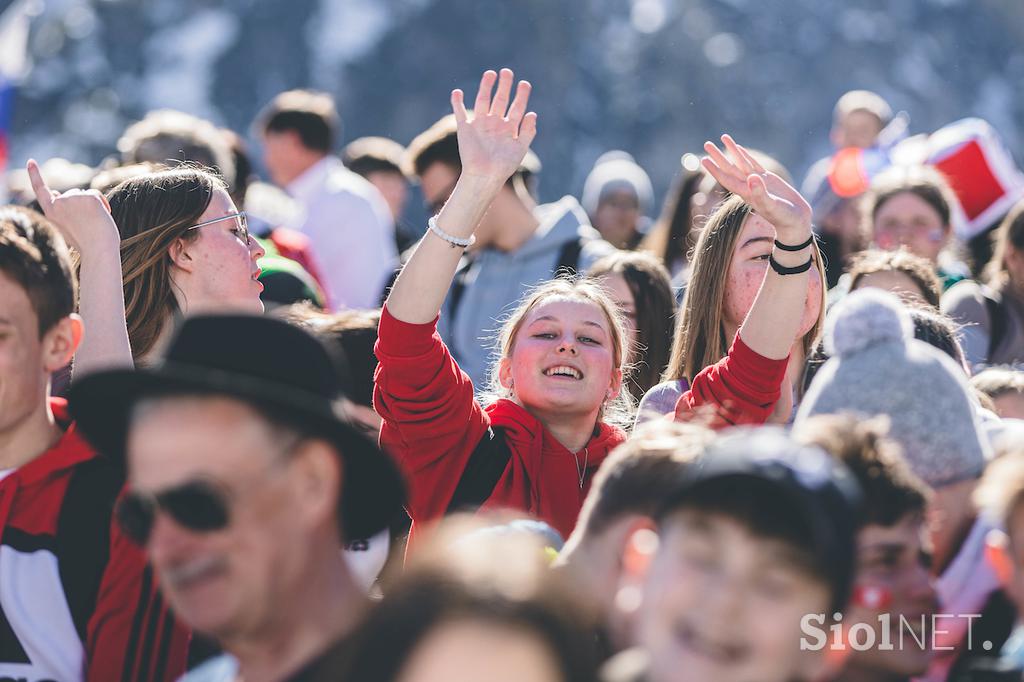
(316, 481)
(180, 255)
(626, 530)
(615, 385)
(641, 546)
(505, 372)
(637, 556)
(60, 343)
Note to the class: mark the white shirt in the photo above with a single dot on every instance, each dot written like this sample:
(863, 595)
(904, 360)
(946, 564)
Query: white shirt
(350, 230)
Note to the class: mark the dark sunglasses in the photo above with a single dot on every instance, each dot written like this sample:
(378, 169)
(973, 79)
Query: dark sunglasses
(198, 505)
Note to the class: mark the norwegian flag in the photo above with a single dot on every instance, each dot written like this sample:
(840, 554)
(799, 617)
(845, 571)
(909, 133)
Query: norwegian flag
(14, 25)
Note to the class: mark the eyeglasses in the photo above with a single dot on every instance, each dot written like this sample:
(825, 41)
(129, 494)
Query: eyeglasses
(240, 218)
(197, 505)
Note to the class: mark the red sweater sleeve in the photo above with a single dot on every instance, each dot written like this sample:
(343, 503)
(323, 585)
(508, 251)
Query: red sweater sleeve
(432, 422)
(741, 388)
(132, 635)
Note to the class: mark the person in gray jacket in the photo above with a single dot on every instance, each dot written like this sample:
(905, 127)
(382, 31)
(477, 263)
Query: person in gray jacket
(519, 244)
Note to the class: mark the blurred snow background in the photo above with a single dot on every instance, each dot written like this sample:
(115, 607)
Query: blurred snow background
(654, 77)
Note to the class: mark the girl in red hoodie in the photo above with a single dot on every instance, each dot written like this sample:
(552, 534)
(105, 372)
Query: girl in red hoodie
(561, 354)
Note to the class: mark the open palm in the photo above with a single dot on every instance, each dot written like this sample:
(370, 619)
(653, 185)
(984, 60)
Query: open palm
(771, 196)
(493, 141)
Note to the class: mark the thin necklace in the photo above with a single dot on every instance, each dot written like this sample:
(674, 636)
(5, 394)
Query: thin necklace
(586, 460)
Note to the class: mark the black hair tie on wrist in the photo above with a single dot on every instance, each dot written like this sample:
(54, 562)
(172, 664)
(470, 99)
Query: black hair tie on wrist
(786, 247)
(783, 270)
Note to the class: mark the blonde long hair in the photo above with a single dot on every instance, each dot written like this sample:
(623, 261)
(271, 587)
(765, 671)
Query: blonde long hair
(700, 335)
(617, 411)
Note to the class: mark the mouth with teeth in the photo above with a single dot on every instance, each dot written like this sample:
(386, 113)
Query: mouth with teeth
(563, 371)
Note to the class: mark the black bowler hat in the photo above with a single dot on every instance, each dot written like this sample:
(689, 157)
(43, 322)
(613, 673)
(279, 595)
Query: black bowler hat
(265, 362)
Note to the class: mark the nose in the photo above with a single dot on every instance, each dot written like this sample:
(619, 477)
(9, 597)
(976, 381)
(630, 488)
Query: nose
(256, 250)
(166, 539)
(567, 347)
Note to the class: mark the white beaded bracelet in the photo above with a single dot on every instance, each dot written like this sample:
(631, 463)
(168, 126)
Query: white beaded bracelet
(455, 242)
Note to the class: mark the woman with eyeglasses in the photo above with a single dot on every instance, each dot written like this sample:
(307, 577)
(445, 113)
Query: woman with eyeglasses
(183, 248)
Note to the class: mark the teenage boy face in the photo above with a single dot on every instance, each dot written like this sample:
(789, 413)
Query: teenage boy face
(26, 358)
(893, 578)
(722, 604)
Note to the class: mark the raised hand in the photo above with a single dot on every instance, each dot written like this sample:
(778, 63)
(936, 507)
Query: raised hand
(493, 141)
(82, 216)
(770, 195)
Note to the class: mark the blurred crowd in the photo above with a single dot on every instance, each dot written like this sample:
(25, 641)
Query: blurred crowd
(255, 429)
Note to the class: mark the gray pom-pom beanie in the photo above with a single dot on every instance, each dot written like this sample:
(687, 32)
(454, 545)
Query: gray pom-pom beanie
(878, 368)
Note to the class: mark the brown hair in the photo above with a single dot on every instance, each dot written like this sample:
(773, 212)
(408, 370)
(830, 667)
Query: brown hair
(672, 236)
(617, 411)
(700, 333)
(918, 269)
(641, 473)
(170, 138)
(373, 155)
(33, 254)
(476, 577)
(1009, 234)
(649, 283)
(890, 489)
(151, 212)
(998, 381)
(925, 182)
(309, 114)
(436, 144)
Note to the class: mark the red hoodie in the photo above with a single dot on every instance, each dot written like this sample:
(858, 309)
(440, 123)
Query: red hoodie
(77, 599)
(432, 424)
(741, 388)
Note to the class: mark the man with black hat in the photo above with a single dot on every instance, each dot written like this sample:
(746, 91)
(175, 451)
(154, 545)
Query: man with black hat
(244, 484)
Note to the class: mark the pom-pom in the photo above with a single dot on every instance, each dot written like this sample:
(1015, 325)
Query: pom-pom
(865, 318)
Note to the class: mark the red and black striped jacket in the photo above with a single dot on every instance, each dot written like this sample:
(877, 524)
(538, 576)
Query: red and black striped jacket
(77, 600)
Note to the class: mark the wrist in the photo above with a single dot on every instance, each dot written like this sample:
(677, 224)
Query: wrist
(477, 183)
(102, 254)
(791, 259)
(796, 233)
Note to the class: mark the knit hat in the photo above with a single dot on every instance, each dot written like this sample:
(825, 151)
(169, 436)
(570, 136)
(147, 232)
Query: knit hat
(878, 368)
(613, 171)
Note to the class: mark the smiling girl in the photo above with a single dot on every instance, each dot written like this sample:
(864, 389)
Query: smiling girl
(754, 305)
(559, 371)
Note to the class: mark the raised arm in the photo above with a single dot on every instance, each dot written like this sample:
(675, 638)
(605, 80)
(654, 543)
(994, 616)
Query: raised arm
(493, 140)
(83, 218)
(773, 323)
